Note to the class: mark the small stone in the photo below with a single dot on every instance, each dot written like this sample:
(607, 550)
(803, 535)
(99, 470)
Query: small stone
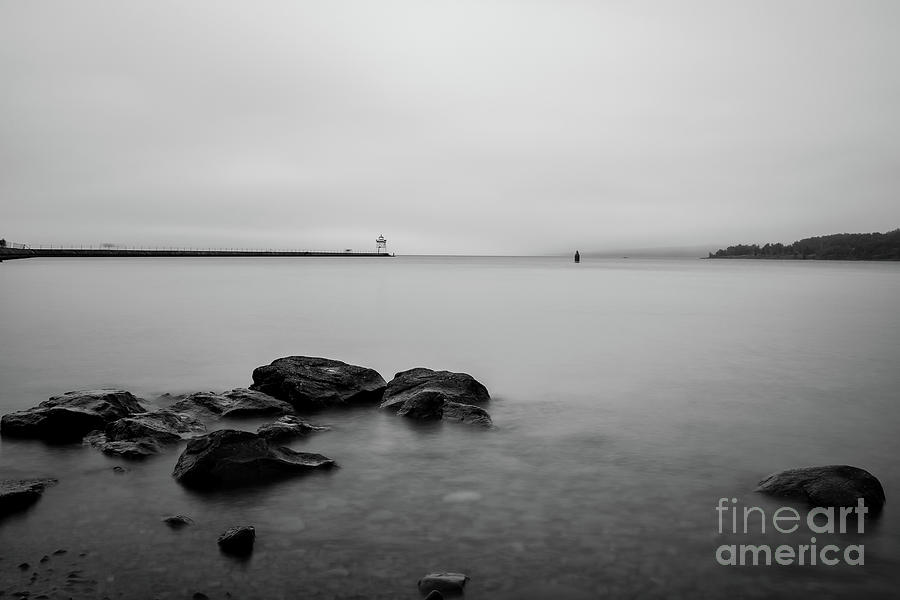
(200, 596)
(238, 540)
(45, 558)
(60, 551)
(178, 521)
(450, 584)
(120, 470)
(24, 566)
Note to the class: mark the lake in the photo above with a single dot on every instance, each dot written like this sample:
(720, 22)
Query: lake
(628, 395)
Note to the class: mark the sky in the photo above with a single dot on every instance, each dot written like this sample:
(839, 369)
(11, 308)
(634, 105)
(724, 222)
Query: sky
(449, 127)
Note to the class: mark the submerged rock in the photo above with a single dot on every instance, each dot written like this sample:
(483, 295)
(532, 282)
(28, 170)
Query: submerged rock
(832, 485)
(456, 387)
(16, 495)
(70, 416)
(448, 584)
(467, 413)
(424, 406)
(311, 383)
(178, 521)
(288, 427)
(239, 402)
(144, 434)
(430, 396)
(238, 540)
(232, 458)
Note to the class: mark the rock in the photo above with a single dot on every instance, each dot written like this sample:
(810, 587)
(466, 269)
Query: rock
(178, 521)
(231, 458)
(70, 416)
(832, 485)
(144, 434)
(239, 402)
(287, 427)
(24, 566)
(467, 413)
(434, 595)
(311, 383)
(44, 559)
(427, 405)
(433, 405)
(238, 540)
(456, 387)
(16, 495)
(449, 584)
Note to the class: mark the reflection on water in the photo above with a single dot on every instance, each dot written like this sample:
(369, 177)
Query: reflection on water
(629, 396)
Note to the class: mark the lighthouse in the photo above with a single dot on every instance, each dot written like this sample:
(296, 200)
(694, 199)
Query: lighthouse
(380, 245)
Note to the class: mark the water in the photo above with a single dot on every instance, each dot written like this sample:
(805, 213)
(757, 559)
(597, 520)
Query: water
(629, 396)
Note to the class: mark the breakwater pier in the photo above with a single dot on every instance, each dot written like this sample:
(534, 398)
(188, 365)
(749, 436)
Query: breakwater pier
(16, 251)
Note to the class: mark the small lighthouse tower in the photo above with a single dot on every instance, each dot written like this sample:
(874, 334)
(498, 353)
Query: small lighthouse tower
(380, 245)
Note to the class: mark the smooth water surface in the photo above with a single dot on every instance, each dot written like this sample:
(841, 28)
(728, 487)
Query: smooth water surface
(628, 397)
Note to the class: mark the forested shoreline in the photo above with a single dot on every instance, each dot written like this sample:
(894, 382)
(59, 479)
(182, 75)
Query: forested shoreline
(839, 246)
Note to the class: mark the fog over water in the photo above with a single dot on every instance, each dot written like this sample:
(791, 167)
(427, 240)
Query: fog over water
(628, 397)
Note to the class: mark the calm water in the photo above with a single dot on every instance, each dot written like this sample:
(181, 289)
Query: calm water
(629, 396)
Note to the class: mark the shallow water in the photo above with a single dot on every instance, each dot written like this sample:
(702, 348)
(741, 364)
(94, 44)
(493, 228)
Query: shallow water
(629, 396)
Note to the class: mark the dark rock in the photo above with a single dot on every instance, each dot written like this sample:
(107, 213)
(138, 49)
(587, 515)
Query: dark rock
(434, 595)
(16, 495)
(456, 387)
(427, 405)
(239, 402)
(467, 413)
(59, 552)
(70, 416)
(24, 566)
(238, 540)
(45, 558)
(145, 433)
(199, 596)
(311, 383)
(178, 521)
(449, 584)
(287, 427)
(231, 458)
(120, 470)
(832, 485)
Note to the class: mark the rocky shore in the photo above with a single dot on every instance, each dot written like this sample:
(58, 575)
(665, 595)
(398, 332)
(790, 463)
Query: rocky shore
(291, 392)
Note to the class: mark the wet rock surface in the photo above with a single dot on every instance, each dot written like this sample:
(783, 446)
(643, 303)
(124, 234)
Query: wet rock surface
(145, 434)
(288, 427)
(238, 540)
(456, 387)
(239, 402)
(178, 521)
(70, 416)
(229, 457)
(445, 583)
(19, 494)
(832, 485)
(312, 383)
(434, 405)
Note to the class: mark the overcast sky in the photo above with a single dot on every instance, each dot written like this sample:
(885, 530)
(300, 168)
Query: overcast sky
(470, 127)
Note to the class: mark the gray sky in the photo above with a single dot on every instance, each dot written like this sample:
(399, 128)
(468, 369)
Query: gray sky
(471, 127)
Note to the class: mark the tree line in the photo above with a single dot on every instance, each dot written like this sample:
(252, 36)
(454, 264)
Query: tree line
(839, 246)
